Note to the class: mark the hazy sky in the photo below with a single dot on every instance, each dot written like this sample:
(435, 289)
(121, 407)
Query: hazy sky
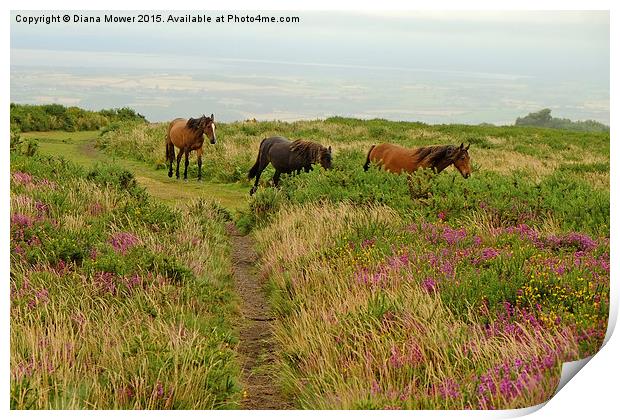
(438, 67)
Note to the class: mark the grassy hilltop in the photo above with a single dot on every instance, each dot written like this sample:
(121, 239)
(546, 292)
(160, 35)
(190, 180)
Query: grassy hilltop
(387, 292)
(523, 174)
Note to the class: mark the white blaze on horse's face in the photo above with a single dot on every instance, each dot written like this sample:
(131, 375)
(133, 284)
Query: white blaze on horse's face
(213, 137)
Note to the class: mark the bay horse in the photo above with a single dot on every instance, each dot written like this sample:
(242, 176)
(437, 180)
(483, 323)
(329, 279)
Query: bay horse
(288, 156)
(397, 159)
(187, 135)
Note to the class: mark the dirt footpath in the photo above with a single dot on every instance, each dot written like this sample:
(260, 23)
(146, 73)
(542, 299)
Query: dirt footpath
(261, 391)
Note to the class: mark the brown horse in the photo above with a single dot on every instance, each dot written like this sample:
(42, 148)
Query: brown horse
(397, 159)
(187, 135)
(287, 156)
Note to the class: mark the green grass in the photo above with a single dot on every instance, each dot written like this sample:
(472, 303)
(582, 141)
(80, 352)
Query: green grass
(78, 147)
(57, 137)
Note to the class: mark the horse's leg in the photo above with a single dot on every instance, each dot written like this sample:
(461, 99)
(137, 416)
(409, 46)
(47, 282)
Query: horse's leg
(199, 153)
(263, 164)
(186, 163)
(276, 178)
(263, 161)
(258, 173)
(179, 156)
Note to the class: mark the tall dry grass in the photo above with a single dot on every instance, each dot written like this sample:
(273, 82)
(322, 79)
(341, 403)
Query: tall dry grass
(117, 302)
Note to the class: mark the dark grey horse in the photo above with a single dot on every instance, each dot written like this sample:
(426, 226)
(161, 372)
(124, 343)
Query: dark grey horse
(287, 156)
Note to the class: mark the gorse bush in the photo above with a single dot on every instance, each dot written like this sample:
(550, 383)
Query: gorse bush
(508, 201)
(27, 147)
(372, 187)
(15, 139)
(261, 207)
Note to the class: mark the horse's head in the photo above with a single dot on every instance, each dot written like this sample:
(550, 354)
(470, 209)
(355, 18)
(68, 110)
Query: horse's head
(461, 160)
(325, 157)
(209, 128)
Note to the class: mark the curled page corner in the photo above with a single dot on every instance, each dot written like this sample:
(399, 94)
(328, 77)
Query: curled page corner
(611, 320)
(570, 369)
(521, 412)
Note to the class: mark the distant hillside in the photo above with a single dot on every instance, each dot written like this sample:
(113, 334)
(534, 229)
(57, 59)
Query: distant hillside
(543, 118)
(59, 117)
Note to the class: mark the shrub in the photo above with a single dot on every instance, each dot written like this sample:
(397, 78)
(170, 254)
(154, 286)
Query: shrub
(115, 176)
(59, 117)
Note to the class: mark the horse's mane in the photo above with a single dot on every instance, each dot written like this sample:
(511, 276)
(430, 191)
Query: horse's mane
(434, 155)
(194, 123)
(309, 151)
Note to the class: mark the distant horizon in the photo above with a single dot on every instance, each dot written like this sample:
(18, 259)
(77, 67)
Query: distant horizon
(320, 119)
(432, 67)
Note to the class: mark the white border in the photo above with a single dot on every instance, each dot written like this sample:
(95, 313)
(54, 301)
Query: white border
(592, 394)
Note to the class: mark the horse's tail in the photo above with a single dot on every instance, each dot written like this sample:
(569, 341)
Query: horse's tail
(367, 164)
(254, 170)
(169, 151)
(169, 145)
